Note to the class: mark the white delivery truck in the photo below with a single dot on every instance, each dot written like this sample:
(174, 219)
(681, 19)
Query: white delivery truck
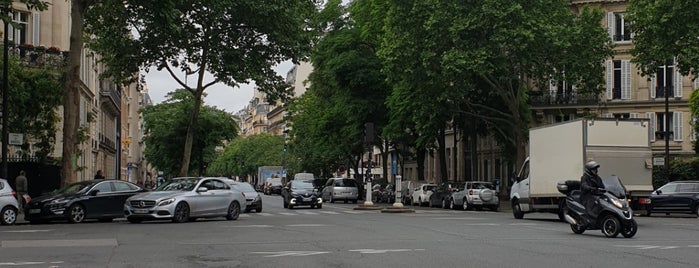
(558, 152)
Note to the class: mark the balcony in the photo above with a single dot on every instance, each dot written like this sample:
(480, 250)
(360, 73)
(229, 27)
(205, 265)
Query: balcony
(573, 99)
(40, 57)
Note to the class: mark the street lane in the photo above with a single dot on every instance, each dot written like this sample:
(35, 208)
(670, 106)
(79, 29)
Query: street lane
(339, 236)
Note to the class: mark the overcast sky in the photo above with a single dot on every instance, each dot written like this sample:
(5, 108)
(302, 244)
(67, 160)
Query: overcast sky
(224, 97)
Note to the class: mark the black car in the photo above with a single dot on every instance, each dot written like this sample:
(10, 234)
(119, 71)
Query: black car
(95, 199)
(675, 197)
(301, 193)
(273, 186)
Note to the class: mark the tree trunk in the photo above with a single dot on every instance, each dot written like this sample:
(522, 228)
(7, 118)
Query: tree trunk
(474, 149)
(384, 159)
(71, 95)
(455, 154)
(187, 154)
(441, 140)
(421, 155)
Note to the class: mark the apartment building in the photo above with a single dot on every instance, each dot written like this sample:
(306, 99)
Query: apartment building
(108, 112)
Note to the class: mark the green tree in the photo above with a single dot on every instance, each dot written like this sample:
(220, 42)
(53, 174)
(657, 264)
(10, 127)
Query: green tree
(243, 155)
(34, 95)
(166, 124)
(235, 41)
(666, 30)
(509, 47)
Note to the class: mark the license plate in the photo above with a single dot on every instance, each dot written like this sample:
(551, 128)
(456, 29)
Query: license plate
(35, 211)
(306, 199)
(140, 211)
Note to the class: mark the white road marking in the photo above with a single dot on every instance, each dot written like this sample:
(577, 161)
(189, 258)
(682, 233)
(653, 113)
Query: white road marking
(110, 242)
(28, 231)
(307, 212)
(288, 213)
(381, 251)
(458, 218)
(523, 224)
(252, 226)
(264, 214)
(330, 212)
(644, 247)
(28, 263)
(290, 253)
(244, 216)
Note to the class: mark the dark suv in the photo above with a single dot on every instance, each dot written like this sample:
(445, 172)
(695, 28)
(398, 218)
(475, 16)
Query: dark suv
(676, 197)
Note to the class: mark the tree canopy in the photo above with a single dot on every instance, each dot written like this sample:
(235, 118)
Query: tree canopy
(243, 155)
(235, 41)
(166, 123)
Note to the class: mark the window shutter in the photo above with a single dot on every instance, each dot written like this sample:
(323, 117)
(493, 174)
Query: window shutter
(651, 87)
(678, 126)
(652, 118)
(610, 25)
(692, 133)
(633, 115)
(696, 82)
(553, 86)
(626, 80)
(678, 82)
(610, 78)
(36, 25)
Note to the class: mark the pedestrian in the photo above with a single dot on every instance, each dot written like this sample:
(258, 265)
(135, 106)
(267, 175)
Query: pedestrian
(99, 175)
(22, 188)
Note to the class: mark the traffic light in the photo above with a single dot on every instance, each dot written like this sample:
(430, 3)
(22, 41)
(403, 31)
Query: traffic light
(284, 149)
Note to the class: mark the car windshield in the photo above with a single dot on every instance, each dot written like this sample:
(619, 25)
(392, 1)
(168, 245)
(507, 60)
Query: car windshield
(301, 185)
(185, 184)
(243, 187)
(74, 188)
(614, 186)
(430, 187)
(346, 183)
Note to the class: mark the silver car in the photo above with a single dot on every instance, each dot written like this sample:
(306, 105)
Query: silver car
(8, 204)
(253, 199)
(186, 199)
(340, 189)
(475, 194)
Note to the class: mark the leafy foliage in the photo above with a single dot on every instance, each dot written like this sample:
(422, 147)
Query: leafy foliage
(34, 95)
(166, 124)
(243, 155)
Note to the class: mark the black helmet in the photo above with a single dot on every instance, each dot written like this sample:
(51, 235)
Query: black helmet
(589, 166)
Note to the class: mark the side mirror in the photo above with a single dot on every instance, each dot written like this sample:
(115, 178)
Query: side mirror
(94, 192)
(202, 189)
(658, 192)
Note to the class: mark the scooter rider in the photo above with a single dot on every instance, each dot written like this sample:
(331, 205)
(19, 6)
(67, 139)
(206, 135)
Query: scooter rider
(591, 186)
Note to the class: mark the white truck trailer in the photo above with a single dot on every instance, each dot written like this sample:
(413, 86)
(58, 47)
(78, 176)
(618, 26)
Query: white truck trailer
(558, 152)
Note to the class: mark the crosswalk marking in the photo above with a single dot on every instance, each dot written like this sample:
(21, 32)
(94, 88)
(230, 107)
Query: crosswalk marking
(330, 212)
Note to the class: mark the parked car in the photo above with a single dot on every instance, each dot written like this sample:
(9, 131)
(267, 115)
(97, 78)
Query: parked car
(8, 204)
(406, 191)
(421, 194)
(76, 202)
(301, 193)
(340, 189)
(186, 199)
(675, 197)
(440, 197)
(273, 186)
(253, 199)
(474, 194)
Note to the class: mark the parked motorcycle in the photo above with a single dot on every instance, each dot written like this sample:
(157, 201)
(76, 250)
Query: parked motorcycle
(614, 216)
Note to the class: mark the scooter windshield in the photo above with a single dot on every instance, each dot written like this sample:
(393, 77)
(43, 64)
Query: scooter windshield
(614, 186)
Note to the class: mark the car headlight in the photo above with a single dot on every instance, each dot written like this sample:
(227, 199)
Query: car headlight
(319, 200)
(59, 201)
(617, 202)
(257, 197)
(166, 202)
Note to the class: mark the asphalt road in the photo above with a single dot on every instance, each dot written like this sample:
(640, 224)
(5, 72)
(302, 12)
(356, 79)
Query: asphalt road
(339, 236)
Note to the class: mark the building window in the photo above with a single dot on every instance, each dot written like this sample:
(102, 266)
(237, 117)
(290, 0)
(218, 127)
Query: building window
(618, 79)
(19, 34)
(622, 116)
(618, 27)
(666, 77)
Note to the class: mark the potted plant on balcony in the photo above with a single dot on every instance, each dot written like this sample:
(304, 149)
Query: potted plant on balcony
(53, 50)
(23, 48)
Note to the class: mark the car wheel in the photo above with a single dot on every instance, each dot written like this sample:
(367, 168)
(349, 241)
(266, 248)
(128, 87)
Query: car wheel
(9, 216)
(286, 205)
(577, 228)
(419, 201)
(429, 203)
(76, 213)
(291, 206)
(451, 204)
(134, 220)
(233, 211)
(181, 213)
(319, 206)
(648, 213)
(610, 226)
(465, 206)
(258, 209)
(629, 229)
(517, 210)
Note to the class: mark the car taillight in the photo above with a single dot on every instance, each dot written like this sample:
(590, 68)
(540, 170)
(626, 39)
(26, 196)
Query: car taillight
(470, 192)
(14, 194)
(644, 201)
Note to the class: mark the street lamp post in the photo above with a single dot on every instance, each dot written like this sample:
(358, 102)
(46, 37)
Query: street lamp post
(5, 88)
(668, 88)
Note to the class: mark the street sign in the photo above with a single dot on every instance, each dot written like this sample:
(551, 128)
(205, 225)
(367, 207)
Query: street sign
(16, 139)
(658, 161)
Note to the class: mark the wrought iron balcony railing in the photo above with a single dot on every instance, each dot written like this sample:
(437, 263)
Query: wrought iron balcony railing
(573, 99)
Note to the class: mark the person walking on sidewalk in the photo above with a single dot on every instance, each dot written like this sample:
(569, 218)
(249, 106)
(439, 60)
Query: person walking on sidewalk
(22, 188)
